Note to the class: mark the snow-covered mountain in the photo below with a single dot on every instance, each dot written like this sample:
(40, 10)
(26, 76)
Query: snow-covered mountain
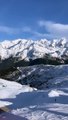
(38, 92)
(30, 49)
(40, 76)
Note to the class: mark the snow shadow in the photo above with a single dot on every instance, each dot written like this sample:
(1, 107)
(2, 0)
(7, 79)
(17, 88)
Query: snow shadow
(46, 109)
(35, 98)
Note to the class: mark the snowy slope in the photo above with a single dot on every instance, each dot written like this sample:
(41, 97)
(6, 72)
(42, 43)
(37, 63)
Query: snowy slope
(26, 49)
(41, 76)
(32, 104)
(11, 89)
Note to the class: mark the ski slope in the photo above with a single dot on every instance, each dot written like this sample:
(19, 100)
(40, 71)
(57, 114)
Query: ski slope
(32, 104)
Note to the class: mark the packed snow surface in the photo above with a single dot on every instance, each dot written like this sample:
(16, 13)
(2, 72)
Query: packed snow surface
(33, 104)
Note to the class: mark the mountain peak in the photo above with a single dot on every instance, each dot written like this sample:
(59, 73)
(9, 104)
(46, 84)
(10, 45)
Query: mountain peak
(27, 49)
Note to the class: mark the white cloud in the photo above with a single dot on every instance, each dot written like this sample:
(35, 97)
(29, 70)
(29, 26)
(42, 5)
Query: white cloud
(55, 29)
(9, 30)
(21, 30)
(26, 29)
(52, 30)
(41, 35)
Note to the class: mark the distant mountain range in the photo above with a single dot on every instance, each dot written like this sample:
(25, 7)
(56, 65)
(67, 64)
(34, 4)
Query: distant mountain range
(30, 49)
(19, 58)
(21, 52)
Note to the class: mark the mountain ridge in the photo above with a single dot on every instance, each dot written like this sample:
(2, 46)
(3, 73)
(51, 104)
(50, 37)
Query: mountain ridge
(30, 49)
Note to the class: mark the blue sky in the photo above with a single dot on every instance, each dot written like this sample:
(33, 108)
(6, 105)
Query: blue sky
(33, 19)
